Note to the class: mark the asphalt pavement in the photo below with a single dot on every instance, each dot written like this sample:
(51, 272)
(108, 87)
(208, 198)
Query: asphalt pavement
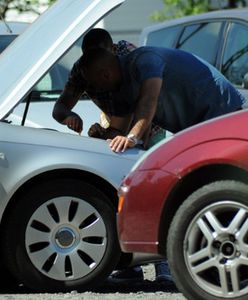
(145, 290)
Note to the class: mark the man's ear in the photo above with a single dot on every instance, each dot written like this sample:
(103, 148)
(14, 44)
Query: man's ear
(114, 49)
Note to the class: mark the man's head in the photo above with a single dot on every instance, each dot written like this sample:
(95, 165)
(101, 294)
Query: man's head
(101, 69)
(97, 37)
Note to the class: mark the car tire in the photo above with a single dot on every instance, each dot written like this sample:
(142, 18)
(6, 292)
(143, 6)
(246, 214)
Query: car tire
(61, 236)
(207, 245)
(9, 282)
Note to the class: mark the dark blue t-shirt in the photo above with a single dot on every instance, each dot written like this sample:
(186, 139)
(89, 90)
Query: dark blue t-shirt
(192, 91)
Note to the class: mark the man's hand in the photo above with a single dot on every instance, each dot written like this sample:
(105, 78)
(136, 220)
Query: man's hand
(97, 131)
(74, 122)
(121, 143)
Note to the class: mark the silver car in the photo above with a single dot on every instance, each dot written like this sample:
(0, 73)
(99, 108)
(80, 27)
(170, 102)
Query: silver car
(58, 195)
(219, 37)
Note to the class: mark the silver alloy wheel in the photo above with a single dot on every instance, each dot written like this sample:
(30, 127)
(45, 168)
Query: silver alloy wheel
(66, 238)
(216, 249)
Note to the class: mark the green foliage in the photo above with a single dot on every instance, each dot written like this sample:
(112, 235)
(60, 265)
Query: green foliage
(179, 8)
(22, 5)
(175, 9)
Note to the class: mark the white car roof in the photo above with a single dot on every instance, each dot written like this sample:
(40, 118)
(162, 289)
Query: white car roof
(32, 53)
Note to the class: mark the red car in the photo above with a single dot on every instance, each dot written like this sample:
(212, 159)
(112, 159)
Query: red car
(187, 199)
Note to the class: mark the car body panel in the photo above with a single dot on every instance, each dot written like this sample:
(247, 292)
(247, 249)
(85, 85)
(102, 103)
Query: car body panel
(50, 45)
(29, 152)
(211, 130)
(139, 237)
(221, 141)
(223, 151)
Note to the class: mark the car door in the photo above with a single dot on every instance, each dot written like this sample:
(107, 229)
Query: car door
(164, 37)
(234, 62)
(202, 38)
(220, 42)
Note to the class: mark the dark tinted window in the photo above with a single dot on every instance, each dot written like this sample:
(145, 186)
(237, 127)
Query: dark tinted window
(5, 40)
(235, 62)
(201, 39)
(164, 37)
(54, 81)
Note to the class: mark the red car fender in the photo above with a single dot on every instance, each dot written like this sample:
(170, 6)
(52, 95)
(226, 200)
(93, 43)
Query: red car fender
(223, 151)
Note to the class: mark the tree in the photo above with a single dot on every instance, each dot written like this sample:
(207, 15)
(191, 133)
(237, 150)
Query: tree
(22, 6)
(175, 9)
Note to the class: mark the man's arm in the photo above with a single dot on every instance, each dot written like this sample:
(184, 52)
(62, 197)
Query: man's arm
(64, 105)
(121, 123)
(144, 113)
(146, 106)
(62, 111)
(74, 88)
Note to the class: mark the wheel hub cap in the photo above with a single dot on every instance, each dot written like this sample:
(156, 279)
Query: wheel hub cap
(228, 249)
(65, 238)
(216, 249)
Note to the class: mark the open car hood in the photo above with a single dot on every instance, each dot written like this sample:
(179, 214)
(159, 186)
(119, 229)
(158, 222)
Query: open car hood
(31, 55)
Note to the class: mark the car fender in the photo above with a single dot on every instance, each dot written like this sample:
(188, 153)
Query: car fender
(221, 151)
(18, 167)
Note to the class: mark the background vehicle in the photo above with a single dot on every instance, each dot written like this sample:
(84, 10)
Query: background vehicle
(219, 37)
(186, 199)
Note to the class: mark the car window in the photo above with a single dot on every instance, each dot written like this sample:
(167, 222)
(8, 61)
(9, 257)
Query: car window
(56, 77)
(5, 40)
(53, 82)
(201, 39)
(165, 37)
(235, 61)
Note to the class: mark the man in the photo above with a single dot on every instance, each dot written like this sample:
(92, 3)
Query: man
(172, 88)
(76, 86)
(74, 89)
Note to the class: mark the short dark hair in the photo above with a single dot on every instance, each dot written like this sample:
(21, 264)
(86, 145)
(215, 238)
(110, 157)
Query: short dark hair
(97, 37)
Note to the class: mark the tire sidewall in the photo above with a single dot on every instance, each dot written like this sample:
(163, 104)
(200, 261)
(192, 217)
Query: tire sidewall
(209, 194)
(37, 196)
